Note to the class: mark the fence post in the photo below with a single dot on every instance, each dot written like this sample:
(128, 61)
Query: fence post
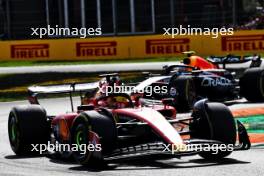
(8, 19)
(153, 16)
(234, 12)
(83, 17)
(47, 12)
(114, 17)
(99, 19)
(132, 16)
(172, 13)
(66, 13)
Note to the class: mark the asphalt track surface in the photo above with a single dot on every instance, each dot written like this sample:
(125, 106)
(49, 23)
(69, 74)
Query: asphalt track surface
(240, 163)
(94, 68)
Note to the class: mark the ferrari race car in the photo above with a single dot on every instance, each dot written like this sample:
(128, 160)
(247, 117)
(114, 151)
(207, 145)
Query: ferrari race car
(199, 78)
(109, 132)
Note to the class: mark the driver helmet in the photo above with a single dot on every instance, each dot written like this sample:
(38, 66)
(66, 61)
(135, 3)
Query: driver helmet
(109, 81)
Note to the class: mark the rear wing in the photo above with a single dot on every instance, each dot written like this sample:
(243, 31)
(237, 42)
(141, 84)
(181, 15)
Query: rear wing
(62, 88)
(34, 91)
(231, 59)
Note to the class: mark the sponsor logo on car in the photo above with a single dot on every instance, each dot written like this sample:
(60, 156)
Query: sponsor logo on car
(243, 43)
(30, 51)
(108, 48)
(211, 82)
(167, 46)
(173, 91)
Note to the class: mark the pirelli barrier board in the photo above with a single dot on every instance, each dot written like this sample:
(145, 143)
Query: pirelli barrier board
(242, 42)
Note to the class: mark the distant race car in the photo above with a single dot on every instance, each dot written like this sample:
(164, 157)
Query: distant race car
(214, 61)
(122, 132)
(199, 78)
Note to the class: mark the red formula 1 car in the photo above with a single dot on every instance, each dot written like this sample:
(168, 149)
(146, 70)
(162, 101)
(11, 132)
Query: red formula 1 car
(109, 132)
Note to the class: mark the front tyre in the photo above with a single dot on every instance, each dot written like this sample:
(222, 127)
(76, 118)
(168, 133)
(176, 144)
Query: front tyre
(213, 121)
(95, 131)
(81, 137)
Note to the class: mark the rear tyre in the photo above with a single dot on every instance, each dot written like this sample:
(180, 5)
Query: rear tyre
(182, 88)
(215, 122)
(96, 129)
(27, 125)
(252, 85)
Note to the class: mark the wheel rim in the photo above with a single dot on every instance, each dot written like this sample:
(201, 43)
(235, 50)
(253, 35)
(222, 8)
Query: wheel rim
(13, 132)
(79, 138)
